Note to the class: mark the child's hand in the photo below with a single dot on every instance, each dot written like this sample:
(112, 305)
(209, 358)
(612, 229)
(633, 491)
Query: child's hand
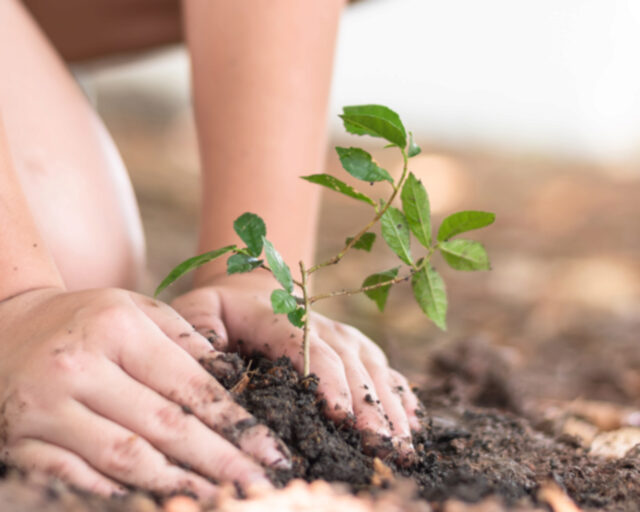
(99, 388)
(353, 371)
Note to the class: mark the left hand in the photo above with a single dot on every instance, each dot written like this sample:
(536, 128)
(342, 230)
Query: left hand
(355, 377)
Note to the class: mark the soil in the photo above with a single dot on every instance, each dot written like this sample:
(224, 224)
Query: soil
(466, 452)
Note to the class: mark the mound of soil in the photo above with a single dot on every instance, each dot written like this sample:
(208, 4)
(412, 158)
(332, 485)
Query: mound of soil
(466, 453)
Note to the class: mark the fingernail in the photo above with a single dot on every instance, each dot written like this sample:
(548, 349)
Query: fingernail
(119, 491)
(414, 424)
(405, 454)
(377, 443)
(405, 446)
(223, 366)
(281, 463)
(278, 455)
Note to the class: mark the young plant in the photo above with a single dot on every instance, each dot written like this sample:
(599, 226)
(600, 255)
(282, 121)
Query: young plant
(397, 227)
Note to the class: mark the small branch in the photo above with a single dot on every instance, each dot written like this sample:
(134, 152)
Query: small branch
(355, 291)
(378, 216)
(305, 320)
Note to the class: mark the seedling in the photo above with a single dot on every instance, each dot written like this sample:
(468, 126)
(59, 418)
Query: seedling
(397, 227)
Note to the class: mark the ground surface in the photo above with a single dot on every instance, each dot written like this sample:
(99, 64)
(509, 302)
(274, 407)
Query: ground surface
(537, 379)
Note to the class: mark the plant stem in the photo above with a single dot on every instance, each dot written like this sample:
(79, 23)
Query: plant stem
(354, 291)
(305, 320)
(416, 268)
(335, 259)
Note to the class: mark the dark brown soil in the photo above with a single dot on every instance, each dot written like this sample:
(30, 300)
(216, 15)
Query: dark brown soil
(276, 395)
(465, 452)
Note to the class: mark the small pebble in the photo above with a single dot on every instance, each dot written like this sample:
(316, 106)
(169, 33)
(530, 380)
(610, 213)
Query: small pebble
(181, 504)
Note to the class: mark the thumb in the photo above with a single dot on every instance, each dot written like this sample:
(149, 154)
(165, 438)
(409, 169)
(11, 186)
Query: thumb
(202, 308)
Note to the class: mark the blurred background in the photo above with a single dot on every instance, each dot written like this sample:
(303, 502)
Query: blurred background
(527, 109)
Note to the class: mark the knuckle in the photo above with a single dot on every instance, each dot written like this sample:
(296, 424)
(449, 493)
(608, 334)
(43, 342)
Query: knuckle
(397, 379)
(60, 469)
(171, 424)
(121, 456)
(348, 330)
(113, 315)
(374, 353)
(69, 368)
(110, 309)
(67, 361)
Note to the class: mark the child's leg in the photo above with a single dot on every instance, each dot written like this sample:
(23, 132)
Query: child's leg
(70, 170)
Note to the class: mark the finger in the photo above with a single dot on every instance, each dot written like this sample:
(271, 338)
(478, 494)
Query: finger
(410, 402)
(202, 308)
(377, 366)
(36, 455)
(362, 356)
(370, 417)
(157, 363)
(173, 325)
(223, 366)
(393, 407)
(168, 427)
(116, 452)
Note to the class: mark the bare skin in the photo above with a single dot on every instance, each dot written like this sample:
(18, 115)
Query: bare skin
(97, 360)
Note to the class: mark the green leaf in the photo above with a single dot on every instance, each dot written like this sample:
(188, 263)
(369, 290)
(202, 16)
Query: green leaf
(279, 268)
(283, 302)
(364, 243)
(359, 164)
(464, 221)
(375, 120)
(250, 228)
(240, 263)
(414, 149)
(190, 264)
(296, 317)
(396, 233)
(326, 180)
(429, 291)
(379, 295)
(464, 254)
(415, 203)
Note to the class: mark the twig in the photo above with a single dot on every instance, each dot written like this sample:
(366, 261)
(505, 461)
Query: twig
(335, 259)
(305, 321)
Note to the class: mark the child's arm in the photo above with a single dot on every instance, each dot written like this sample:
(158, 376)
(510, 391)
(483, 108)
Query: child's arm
(84, 393)
(261, 77)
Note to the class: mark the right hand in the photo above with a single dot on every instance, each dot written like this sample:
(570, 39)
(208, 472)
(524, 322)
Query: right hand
(102, 388)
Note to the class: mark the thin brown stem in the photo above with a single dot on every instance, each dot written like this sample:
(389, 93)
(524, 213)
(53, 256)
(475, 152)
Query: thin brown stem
(355, 291)
(425, 261)
(305, 320)
(335, 259)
